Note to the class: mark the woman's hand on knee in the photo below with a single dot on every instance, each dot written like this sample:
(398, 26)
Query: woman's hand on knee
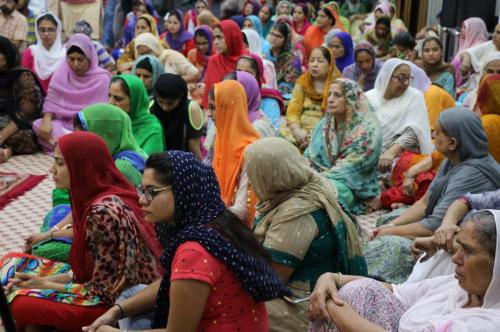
(104, 322)
(325, 289)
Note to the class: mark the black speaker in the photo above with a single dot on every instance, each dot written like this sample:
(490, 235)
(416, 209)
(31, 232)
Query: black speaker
(454, 12)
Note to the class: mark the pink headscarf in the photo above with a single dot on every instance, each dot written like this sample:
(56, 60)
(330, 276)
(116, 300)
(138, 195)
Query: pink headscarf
(474, 33)
(69, 93)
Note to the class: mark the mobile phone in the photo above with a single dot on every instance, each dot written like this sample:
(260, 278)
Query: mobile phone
(294, 299)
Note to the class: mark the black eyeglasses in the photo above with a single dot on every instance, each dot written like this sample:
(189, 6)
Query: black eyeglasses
(403, 78)
(149, 193)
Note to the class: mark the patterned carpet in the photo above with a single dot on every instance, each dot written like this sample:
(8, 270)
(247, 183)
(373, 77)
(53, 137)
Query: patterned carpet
(24, 216)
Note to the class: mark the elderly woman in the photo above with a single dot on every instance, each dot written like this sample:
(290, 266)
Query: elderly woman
(465, 301)
(460, 137)
(301, 225)
(402, 113)
(346, 144)
(365, 68)
(342, 47)
(20, 106)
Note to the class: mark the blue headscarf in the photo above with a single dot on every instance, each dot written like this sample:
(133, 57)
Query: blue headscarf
(348, 58)
(197, 203)
(257, 26)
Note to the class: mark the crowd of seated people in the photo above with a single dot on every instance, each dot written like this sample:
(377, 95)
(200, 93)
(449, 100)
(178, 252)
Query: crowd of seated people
(211, 170)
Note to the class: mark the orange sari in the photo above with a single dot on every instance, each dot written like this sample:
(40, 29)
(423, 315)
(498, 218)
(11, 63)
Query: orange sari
(234, 133)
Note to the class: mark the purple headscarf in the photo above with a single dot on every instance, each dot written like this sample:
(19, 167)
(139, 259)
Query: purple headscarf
(176, 43)
(69, 93)
(353, 72)
(346, 40)
(252, 90)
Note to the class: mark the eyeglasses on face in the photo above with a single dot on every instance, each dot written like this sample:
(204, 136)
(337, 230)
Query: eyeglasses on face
(149, 193)
(403, 78)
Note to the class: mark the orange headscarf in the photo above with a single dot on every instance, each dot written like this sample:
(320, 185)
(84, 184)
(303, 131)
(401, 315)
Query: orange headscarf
(315, 36)
(306, 81)
(234, 133)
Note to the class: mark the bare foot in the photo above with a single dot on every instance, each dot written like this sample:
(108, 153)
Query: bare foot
(5, 155)
(395, 206)
(374, 204)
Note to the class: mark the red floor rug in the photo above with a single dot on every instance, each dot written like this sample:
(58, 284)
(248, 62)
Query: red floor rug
(14, 185)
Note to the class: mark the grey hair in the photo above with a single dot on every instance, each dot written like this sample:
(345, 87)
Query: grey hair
(485, 229)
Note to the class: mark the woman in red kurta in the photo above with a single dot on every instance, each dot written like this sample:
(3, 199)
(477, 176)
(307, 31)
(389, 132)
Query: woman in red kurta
(217, 277)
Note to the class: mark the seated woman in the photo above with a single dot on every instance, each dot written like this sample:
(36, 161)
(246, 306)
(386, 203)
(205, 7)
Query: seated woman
(491, 65)
(341, 45)
(253, 44)
(228, 45)
(473, 59)
(365, 68)
(77, 83)
(48, 52)
(308, 102)
(346, 145)
(440, 247)
(266, 19)
(205, 286)
(198, 56)
(464, 301)
(326, 20)
(114, 127)
(272, 102)
(301, 17)
(181, 118)
(148, 68)
(440, 72)
(402, 113)
(145, 23)
(190, 20)
(175, 36)
(488, 107)
(259, 121)
(287, 65)
(301, 225)
(128, 93)
(252, 22)
(234, 133)
(473, 31)
(113, 248)
(380, 37)
(20, 105)
(174, 62)
(460, 137)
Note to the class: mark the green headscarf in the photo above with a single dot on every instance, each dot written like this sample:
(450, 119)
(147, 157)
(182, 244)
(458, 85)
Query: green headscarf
(156, 66)
(112, 125)
(146, 127)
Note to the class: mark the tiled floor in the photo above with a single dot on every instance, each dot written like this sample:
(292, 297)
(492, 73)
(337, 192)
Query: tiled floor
(24, 216)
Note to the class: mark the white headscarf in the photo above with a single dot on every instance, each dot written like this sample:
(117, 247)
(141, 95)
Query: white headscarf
(46, 61)
(421, 81)
(254, 42)
(438, 302)
(399, 113)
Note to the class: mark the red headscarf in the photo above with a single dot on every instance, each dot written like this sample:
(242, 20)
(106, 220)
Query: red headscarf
(93, 175)
(221, 64)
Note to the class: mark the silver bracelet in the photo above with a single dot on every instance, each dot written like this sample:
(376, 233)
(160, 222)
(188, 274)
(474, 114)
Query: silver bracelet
(341, 277)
